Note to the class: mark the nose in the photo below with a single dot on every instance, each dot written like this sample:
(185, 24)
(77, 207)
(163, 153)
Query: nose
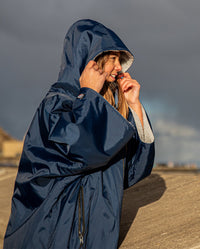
(118, 66)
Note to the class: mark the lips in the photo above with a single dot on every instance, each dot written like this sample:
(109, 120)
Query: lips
(113, 75)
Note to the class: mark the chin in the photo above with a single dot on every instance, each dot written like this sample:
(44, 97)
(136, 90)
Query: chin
(110, 80)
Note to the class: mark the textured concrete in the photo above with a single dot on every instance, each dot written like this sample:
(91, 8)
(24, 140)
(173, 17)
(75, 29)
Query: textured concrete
(160, 212)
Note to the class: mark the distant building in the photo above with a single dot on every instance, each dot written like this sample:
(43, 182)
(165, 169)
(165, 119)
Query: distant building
(12, 149)
(4, 136)
(176, 166)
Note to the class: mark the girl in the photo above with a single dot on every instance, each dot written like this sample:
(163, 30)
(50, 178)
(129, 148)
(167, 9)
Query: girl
(90, 139)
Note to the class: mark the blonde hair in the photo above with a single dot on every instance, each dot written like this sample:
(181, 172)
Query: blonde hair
(110, 87)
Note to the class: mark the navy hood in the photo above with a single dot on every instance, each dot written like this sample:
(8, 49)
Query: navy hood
(85, 40)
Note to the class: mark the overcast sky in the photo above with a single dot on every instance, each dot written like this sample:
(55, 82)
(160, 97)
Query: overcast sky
(163, 35)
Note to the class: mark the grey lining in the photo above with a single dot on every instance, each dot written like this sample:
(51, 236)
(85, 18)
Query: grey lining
(145, 132)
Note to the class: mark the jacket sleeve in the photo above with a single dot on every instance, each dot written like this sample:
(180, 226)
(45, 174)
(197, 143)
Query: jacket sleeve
(92, 132)
(140, 156)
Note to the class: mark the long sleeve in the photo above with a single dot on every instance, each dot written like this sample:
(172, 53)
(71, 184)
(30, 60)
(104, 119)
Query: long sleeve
(140, 151)
(92, 132)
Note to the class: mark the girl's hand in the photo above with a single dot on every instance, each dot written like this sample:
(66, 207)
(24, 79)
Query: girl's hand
(130, 87)
(92, 77)
(131, 90)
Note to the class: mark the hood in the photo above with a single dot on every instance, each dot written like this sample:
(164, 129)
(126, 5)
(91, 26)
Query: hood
(85, 40)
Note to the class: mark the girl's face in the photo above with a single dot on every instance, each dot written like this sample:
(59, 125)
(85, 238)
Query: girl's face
(112, 66)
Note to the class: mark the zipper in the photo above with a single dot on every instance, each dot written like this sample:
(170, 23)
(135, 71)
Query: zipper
(124, 161)
(123, 168)
(81, 218)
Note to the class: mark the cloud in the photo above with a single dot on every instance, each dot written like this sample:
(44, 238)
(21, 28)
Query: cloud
(170, 128)
(176, 142)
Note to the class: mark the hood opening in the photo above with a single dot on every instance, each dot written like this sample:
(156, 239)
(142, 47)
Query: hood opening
(126, 58)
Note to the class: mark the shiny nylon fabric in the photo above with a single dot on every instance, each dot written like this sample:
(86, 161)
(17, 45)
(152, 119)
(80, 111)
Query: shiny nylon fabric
(76, 145)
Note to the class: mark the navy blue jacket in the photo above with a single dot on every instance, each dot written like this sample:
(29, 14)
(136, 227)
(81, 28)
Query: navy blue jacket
(79, 155)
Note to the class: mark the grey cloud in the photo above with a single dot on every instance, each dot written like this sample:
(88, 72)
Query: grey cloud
(178, 151)
(176, 130)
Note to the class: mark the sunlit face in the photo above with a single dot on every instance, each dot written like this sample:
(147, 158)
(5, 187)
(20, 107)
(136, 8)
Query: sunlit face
(112, 66)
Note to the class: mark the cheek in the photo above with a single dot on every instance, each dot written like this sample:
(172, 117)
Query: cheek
(108, 68)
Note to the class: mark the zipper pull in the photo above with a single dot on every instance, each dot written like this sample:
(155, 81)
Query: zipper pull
(81, 238)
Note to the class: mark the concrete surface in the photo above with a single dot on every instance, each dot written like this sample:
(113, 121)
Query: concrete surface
(160, 212)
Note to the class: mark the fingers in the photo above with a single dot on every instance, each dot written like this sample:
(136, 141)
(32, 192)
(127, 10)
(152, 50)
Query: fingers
(127, 75)
(127, 84)
(124, 75)
(100, 71)
(90, 64)
(92, 77)
(93, 65)
(104, 74)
